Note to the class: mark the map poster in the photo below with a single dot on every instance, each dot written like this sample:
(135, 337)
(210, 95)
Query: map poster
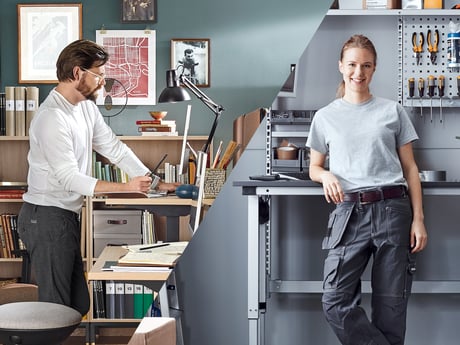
(132, 62)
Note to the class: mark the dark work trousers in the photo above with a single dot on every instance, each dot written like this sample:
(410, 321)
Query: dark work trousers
(52, 238)
(357, 232)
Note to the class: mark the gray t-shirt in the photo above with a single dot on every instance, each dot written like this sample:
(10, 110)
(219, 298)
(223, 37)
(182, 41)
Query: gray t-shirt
(362, 141)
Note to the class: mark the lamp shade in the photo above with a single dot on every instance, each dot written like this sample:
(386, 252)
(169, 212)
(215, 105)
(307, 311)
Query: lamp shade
(173, 91)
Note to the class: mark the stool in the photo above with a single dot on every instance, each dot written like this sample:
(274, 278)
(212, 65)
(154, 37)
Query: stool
(36, 323)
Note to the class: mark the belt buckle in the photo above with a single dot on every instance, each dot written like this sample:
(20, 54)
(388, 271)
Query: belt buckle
(360, 198)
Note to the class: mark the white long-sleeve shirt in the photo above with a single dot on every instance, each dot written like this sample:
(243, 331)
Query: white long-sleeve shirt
(62, 137)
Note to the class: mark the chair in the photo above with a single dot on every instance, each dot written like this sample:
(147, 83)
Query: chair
(26, 321)
(36, 323)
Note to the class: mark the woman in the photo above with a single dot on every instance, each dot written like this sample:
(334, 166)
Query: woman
(373, 180)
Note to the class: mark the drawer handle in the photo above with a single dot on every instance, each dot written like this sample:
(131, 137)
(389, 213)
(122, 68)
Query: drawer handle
(117, 222)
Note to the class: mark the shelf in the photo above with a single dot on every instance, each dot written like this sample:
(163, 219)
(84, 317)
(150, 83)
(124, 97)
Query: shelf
(304, 286)
(397, 12)
(13, 138)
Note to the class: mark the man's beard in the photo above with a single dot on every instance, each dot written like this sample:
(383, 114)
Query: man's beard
(87, 92)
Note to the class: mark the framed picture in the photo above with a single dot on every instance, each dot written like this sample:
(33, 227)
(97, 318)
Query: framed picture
(132, 62)
(138, 11)
(191, 57)
(43, 31)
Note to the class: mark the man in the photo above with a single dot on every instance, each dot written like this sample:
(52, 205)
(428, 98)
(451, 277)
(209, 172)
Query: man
(65, 130)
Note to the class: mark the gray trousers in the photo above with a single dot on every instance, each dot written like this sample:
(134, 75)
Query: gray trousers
(357, 232)
(52, 238)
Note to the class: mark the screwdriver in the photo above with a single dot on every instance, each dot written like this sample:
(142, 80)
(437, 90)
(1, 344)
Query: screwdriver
(441, 95)
(421, 90)
(431, 87)
(411, 89)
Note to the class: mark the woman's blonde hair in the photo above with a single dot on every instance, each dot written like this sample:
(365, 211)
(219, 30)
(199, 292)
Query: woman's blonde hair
(355, 41)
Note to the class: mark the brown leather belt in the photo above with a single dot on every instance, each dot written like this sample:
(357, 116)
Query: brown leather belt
(377, 194)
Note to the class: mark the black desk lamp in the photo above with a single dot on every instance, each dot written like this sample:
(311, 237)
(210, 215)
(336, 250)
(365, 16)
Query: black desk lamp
(175, 93)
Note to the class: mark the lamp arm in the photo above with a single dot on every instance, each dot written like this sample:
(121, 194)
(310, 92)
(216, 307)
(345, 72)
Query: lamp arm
(215, 108)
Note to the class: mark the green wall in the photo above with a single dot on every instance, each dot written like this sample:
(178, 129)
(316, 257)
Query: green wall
(253, 42)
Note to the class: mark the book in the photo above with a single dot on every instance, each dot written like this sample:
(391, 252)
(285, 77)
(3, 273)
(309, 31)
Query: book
(148, 122)
(175, 133)
(32, 93)
(10, 123)
(20, 110)
(164, 256)
(11, 193)
(2, 113)
(98, 299)
(155, 129)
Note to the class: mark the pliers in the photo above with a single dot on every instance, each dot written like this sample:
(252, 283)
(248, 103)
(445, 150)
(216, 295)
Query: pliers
(418, 48)
(433, 48)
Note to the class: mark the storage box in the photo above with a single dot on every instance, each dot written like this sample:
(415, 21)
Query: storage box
(381, 4)
(103, 240)
(412, 4)
(214, 179)
(116, 227)
(117, 221)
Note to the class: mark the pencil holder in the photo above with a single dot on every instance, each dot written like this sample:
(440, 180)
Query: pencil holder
(214, 179)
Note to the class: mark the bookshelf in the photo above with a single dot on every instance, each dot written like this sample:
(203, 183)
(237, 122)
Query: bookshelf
(14, 167)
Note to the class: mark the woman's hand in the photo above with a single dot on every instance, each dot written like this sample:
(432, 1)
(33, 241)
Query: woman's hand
(332, 189)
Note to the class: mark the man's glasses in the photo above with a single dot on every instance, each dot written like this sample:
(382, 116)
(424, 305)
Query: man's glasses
(99, 77)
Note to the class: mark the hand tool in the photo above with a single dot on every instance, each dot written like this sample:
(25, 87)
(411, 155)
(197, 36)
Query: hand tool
(411, 85)
(433, 48)
(441, 94)
(421, 90)
(418, 48)
(431, 87)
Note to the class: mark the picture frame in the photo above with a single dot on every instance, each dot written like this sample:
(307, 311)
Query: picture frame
(138, 11)
(43, 31)
(191, 57)
(132, 61)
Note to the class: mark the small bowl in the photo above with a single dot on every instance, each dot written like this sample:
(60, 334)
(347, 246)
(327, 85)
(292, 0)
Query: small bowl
(158, 115)
(287, 152)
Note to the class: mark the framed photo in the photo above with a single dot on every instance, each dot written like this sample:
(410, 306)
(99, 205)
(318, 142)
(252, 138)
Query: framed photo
(43, 31)
(138, 11)
(132, 62)
(191, 57)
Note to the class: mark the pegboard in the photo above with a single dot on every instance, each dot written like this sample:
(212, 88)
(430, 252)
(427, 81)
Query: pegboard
(425, 68)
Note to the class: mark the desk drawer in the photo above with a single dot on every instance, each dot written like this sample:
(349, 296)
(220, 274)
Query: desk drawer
(103, 240)
(117, 222)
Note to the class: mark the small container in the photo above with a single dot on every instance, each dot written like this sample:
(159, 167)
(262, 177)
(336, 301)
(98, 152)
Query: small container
(287, 152)
(453, 50)
(432, 4)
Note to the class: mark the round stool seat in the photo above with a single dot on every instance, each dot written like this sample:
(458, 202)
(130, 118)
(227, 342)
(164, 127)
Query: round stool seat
(36, 323)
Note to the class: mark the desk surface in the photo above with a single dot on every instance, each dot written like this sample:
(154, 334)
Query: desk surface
(164, 200)
(113, 253)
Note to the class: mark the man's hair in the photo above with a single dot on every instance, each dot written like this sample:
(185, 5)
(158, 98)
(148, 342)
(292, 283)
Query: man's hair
(83, 53)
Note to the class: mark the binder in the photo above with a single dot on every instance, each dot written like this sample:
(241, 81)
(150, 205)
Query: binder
(119, 300)
(138, 301)
(129, 300)
(148, 300)
(10, 124)
(20, 110)
(110, 299)
(32, 93)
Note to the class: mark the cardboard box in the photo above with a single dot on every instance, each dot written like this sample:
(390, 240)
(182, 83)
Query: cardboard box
(432, 4)
(155, 330)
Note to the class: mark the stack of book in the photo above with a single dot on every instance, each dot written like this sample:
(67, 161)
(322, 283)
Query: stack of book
(156, 127)
(10, 243)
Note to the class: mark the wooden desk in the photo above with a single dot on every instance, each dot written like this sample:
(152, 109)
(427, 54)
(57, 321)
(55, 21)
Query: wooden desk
(172, 207)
